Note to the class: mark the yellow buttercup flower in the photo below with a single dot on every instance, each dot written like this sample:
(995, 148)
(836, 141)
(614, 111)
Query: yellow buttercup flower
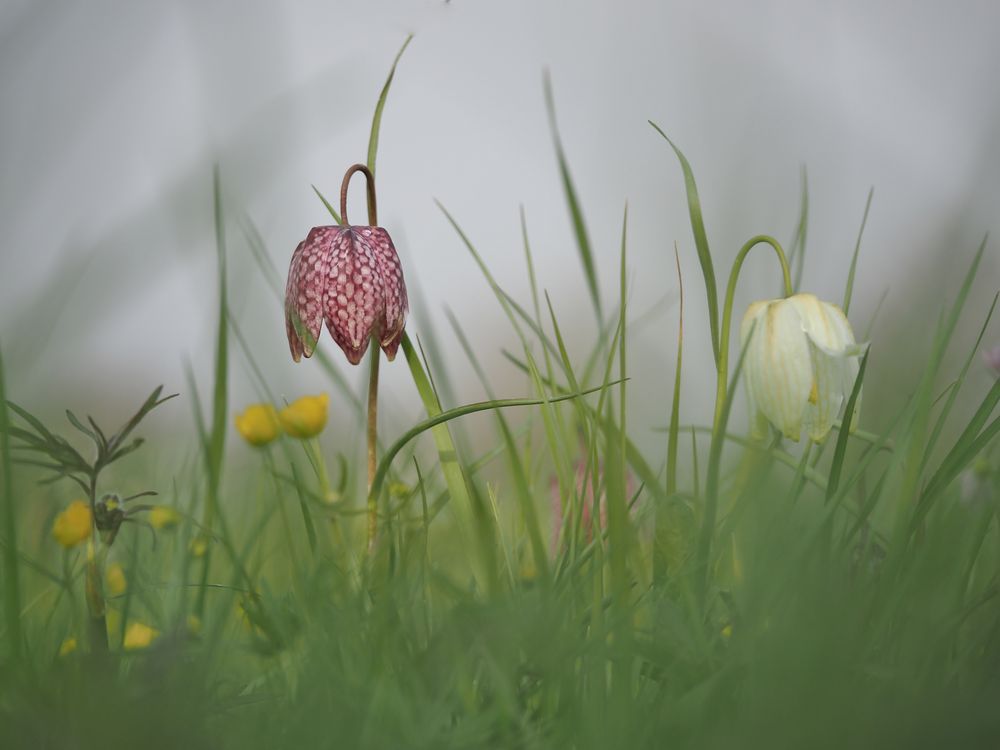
(305, 417)
(258, 424)
(73, 525)
(800, 365)
(115, 577)
(138, 636)
(163, 517)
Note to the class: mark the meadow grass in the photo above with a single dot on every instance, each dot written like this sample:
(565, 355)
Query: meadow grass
(839, 595)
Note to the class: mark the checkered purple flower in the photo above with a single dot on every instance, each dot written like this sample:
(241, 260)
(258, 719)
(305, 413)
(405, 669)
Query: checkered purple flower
(350, 277)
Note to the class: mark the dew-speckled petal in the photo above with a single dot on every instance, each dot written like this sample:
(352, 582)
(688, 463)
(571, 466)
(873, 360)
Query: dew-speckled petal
(307, 278)
(354, 299)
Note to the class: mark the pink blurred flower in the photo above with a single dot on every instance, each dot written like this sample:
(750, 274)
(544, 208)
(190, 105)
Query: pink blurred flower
(586, 495)
(992, 359)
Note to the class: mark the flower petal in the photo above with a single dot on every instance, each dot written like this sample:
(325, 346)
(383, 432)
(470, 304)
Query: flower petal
(354, 299)
(396, 303)
(779, 370)
(307, 278)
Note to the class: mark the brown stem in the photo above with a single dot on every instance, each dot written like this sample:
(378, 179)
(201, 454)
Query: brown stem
(372, 205)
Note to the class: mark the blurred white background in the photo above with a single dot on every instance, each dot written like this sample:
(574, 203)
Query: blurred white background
(114, 113)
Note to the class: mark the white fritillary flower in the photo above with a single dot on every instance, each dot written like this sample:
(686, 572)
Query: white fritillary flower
(800, 365)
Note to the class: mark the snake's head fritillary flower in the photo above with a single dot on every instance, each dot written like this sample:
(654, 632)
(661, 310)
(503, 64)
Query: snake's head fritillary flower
(350, 277)
(73, 525)
(800, 365)
(305, 417)
(258, 424)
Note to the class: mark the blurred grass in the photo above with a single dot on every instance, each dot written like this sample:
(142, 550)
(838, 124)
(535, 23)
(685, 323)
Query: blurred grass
(801, 600)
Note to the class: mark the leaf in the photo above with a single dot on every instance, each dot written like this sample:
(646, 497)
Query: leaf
(837, 464)
(849, 290)
(377, 118)
(701, 243)
(573, 202)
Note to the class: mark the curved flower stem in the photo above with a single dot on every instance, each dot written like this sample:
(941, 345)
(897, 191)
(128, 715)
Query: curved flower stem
(723, 403)
(372, 204)
(373, 441)
(727, 309)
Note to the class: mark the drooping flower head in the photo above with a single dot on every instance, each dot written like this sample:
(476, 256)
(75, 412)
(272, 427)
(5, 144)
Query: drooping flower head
(800, 364)
(350, 277)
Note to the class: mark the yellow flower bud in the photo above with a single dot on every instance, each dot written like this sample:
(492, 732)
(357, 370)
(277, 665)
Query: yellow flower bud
(115, 577)
(305, 417)
(258, 424)
(68, 646)
(138, 636)
(800, 365)
(163, 517)
(73, 525)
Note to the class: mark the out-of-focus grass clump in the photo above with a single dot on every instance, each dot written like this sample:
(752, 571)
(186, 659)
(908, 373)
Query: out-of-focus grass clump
(730, 592)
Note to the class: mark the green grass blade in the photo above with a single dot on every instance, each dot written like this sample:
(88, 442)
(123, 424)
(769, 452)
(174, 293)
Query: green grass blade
(11, 577)
(707, 532)
(797, 256)
(911, 466)
(377, 118)
(837, 464)
(701, 243)
(664, 519)
(522, 488)
(959, 381)
(329, 207)
(454, 476)
(573, 203)
(461, 411)
(849, 290)
(215, 439)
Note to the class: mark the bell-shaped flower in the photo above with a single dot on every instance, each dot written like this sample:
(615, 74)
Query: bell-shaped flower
(350, 277)
(800, 365)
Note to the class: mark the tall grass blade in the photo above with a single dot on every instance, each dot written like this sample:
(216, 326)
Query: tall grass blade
(216, 434)
(377, 118)
(573, 203)
(839, 453)
(849, 290)
(522, 487)
(701, 243)
(797, 257)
